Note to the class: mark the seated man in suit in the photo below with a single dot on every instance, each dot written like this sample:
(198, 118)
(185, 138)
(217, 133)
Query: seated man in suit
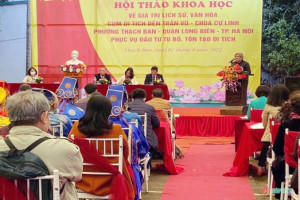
(154, 76)
(102, 75)
(139, 106)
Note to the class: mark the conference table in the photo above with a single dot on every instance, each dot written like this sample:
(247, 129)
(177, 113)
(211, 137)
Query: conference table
(238, 130)
(148, 88)
(14, 87)
(249, 143)
(164, 137)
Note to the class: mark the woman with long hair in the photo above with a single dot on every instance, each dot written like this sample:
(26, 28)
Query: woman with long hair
(129, 76)
(276, 100)
(95, 124)
(290, 118)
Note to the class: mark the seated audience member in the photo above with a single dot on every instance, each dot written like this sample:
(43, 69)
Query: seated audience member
(130, 96)
(139, 106)
(95, 124)
(29, 115)
(290, 118)
(157, 100)
(102, 75)
(262, 93)
(32, 76)
(276, 100)
(25, 87)
(129, 76)
(139, 144)
(89, 90)
(56, 119)
(159, 103)
(154, 76)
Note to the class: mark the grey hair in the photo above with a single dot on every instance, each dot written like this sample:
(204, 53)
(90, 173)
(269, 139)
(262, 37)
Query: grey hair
(239, 54)
(26, 107)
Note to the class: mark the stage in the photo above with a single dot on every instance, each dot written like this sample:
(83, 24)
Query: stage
(204, 122)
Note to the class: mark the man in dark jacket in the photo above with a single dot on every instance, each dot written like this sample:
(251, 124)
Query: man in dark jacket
(139, 106)
(239, 59)
(102, 75)
(154, 77)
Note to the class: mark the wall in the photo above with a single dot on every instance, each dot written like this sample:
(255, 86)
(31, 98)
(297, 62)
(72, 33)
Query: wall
(13, 41)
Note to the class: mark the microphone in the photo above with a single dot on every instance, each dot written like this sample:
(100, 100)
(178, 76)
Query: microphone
(232, 61)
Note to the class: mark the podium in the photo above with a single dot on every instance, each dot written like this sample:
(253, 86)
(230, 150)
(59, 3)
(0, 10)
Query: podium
(73, 74)
(236, 101)
(78, 76)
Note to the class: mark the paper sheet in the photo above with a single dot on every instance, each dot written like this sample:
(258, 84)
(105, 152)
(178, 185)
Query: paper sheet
(257, 126)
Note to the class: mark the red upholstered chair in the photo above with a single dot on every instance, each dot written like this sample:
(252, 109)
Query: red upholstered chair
(289, 146)
(274, 126)
(256, 115)
(294, 195)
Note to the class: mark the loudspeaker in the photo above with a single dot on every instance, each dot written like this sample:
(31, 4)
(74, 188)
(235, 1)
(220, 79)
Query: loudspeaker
(292, 83)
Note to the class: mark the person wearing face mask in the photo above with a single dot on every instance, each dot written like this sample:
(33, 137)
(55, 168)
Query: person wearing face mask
(32, 76)
(29, 115)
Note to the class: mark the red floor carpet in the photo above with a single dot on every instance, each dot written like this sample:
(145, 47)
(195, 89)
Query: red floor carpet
(202, 178)
(184, 142)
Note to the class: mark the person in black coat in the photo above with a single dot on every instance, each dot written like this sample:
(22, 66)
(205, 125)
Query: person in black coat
(154, 76)
(102, 75)
(139, 106)
(239, 59)
(290, 119)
